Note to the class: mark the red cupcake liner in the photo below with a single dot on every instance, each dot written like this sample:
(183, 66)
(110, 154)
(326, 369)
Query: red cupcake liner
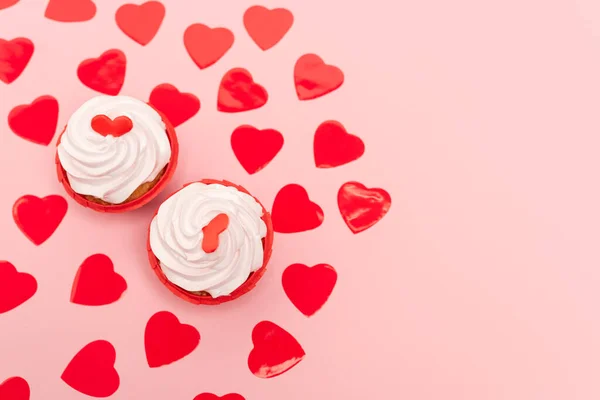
(245, 287)
(140, 201)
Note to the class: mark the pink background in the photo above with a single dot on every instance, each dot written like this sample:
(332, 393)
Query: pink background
(479, 117)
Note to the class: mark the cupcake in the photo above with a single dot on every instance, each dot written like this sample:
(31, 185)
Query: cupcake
(210, 242)
(116, 153)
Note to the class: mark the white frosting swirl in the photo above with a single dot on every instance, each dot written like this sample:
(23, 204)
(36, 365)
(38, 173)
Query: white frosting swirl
(107, 167)
(176, 238)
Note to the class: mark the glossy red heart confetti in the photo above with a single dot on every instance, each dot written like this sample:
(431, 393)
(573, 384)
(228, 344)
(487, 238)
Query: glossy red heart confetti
(238, 92)
(38, 218)
(14, 57)
(15, 388)
(362, 207)
(70, 10)
(35, 122)
(167, 340)
(309, 288)
(207, 45)
(255, 148)
(333, 146)
(104, 74)
(97, 283)
(140, 22)
(177, 106)
(210, 396)
(294, 212)
(7, 3)
(92, 370)
(267, 27)
(275, 351)
(314, 78)
(115, 127)
(15, 287)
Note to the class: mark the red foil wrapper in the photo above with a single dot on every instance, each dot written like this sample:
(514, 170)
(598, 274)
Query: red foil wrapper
(140, 201)
(245, 287)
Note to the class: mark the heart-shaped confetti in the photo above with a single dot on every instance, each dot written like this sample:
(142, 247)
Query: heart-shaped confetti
(15, 287)
(14, 57)
(92, 370)
(35, 122)
(37, 217)
(333, 146)
(140, 22)
(238, 92)
(314, 78)
(15, 388)
(210, 396)
(7, 3)
(255, 148)
(207, 45)
(362, 207)
(70, 10)
(115, 127)
(309, 288)
(177, 106)
(104, 74)
(275, 350)
(294, 212)
(167, 340)
(267, 27)
(97, 283)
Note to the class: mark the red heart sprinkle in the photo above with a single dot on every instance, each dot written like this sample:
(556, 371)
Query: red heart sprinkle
(38, 218)
(267, 27)
(255, 148)
(70, 10)
(106, 126)
(140, 22)
(294, 212)
(314, 78)
(238, 92)
(207, 45)
(15, 388)
(177, 106)
(211, 232)
(309, 288)
(35, 122)
(362, 207)
(14, 57)
(167, 340)
(210, 396)
(275, 351)
(97, 283)
(104, 74)
(15, 287)
(92, 370)
(333, 146)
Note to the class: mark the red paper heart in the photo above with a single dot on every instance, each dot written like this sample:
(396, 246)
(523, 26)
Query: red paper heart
(275, 351)
(15, 287)
(255, 148)
(14, 57)
(238, 92)
(361, 207)
(140, 22)
(97, 283)
(333, 146)
(70, 10)
(267, 27)
(114, 127)
(7, 3)
(104, 74)
(92, 370)
(294, 212)
(167, 340)
(38, 218)
(309, 288)
(207, 45)
(35, 122)
(210, 396)
(177, 106)
(314, 78)
(15, 388)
